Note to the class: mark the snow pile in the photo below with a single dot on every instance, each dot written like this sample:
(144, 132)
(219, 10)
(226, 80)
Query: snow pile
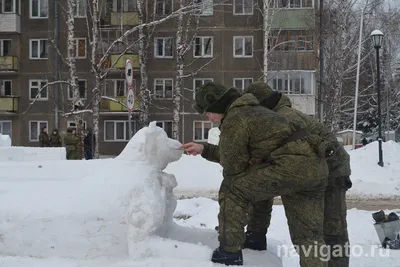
(5, 141)
(370, 179)
(89, 209)
(20, 153)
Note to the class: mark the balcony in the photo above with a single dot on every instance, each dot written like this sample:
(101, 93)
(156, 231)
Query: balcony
(8, 63)
(10, 22)
(119, 62)
(9, 104)
(293, 18)
(107, 105)
(124, 18)
(304, 103)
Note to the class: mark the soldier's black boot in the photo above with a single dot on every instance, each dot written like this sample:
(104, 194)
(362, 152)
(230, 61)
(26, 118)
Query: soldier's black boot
(227, 258)
(255, 241)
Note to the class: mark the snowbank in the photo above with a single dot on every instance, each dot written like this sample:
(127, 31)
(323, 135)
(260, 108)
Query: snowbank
(371, 180)
(16, 153)
(89, 209)
(5, 141)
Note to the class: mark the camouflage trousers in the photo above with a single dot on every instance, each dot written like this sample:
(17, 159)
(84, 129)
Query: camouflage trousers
(304, 207)
(335, 224)
(72, 155)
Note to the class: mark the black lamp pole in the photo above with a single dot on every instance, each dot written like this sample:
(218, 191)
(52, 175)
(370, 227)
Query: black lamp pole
(377, 37)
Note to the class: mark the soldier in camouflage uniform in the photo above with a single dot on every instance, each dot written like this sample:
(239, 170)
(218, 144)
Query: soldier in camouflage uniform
(71, 142)
(289, 168)
(335, 224)
(55, 139)
(44, 138)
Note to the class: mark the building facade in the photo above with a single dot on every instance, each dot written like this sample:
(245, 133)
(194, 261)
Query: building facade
(228, 48)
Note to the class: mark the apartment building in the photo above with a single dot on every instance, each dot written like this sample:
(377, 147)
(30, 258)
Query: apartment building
(228, 49)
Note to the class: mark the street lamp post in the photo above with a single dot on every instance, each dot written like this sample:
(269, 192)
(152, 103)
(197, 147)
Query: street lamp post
(377, 38)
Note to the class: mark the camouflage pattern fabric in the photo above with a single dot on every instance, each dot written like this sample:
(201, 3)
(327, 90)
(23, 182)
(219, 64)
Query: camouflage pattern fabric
(55, 139)
(44, 139)
(71, 143)
(335, 225)
(294, 171)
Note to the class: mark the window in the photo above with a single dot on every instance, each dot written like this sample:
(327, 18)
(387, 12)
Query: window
(38, 89)
(199, 82)
(292, 82)
(80, 9)
(109, 36)
(38, 49)
(243, 46)
(35, 128)
(123, 5)
(205, 7)
(242, 83)
(167, 126)
(296, 3)
(200, 130)
(163, 7)
(117, 130)
(39, 9)
(163, 47)
(6, 128)
(5, 48)
(117, 87)
(242, 7)
(81, 88)
(163, 88)
(203, 47)
(80, 48)
(287, 42)
(5, 88)
(8, 6)
(73, 124)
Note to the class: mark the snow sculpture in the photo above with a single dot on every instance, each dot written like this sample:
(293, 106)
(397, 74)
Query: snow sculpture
(98, 210)
(213, 136)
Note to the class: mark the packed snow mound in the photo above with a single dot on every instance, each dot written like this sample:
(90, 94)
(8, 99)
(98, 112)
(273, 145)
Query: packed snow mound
(370, 179)
(213, 136)
(152, 146)
(5, 141)
(20, 153)
(88, 209)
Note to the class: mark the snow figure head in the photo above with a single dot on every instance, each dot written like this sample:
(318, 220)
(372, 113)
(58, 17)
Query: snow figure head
(152, 145)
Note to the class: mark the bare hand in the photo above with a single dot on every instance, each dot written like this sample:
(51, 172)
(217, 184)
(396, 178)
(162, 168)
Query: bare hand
(193, 148)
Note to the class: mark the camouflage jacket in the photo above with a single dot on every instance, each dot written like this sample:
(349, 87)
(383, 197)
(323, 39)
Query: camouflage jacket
(44, 139)
(249, 130)
(339, 163)
(55, 140)
(71, 142)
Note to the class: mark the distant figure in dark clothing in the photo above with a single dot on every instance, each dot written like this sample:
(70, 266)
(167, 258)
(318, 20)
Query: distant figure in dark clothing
(88, 143)
(364, 141)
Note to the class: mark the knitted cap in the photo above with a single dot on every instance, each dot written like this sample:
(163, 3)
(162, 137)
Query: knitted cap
(260, 90)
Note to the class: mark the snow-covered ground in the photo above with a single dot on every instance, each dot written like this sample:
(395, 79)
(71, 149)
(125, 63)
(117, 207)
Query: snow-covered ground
(118, 212)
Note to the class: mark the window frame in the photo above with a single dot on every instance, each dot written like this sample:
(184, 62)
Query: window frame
(202, 54)
(2, 47)
(2, 127)
(243, 13)
(272, 74)
(69, 90)
(14, 7)
(164, 2)
(38, 128)
(203, 10)
(243, 83)
(30, 49)
(39, 81)
(39, 4)
(202, 125)
(79, 4)
(156, 50)
(4, 81)
(244, 46)
(126, 128)
(77, 47)
(164, 91)
(69, 124)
